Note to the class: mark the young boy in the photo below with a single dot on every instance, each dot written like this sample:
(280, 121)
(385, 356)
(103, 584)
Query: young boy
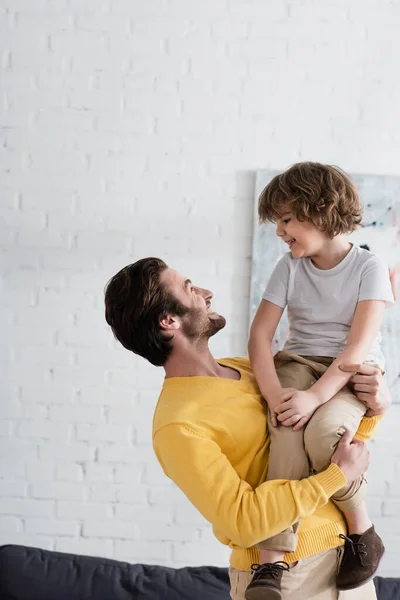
(335, 293)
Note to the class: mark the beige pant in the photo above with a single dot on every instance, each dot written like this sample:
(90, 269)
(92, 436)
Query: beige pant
(313, 578)
(294, 454)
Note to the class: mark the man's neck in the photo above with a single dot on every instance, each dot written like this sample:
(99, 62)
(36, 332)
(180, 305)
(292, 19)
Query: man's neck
(195, 362)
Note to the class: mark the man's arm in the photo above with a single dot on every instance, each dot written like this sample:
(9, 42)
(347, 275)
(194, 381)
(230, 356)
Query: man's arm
(243, 514)
(370, 386)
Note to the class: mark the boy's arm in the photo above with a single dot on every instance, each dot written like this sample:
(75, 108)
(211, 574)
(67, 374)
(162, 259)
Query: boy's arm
(366, 323)
(299, 407)
(263, 329)
(262, 332)
(374, 293)
(244, 515)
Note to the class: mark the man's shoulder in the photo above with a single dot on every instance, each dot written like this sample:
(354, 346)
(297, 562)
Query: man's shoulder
(181, 400)
(188, 401)
(241, 362)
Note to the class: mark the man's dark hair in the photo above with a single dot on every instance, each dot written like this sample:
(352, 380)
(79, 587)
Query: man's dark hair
(135, 302)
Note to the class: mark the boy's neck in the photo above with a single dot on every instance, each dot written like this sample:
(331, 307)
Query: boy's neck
(332, 253)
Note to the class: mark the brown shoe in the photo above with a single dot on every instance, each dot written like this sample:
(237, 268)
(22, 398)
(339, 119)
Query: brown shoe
(266, 582)
(362, 554)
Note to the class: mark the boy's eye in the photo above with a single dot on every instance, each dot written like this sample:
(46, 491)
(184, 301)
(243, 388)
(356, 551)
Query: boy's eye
(286, 221)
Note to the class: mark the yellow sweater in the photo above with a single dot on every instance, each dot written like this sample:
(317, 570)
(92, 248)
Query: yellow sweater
(210, 436)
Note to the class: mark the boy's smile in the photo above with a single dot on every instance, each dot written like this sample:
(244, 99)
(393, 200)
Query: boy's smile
(302, 238)
(305, 240)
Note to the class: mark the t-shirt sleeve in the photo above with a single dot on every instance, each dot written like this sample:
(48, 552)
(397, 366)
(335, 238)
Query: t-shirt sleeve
(375, 281)
(277, 286)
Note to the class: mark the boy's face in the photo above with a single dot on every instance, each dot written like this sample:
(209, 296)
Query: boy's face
(302, 238)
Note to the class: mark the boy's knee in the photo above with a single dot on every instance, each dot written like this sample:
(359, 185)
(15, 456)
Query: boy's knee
(320, 440)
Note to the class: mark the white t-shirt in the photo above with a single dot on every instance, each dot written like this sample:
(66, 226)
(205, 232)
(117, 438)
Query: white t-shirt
(321, 303)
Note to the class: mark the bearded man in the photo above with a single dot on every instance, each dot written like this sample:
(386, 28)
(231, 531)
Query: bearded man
(210, 433)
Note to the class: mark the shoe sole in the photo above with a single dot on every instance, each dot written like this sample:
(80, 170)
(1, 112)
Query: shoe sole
(345, 588)
(261, 594)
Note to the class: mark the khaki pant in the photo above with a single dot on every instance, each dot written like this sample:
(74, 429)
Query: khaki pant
(294, 454)
(313, 578)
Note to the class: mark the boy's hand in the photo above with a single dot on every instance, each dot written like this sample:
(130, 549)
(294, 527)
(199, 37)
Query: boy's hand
(275, 401)
(296, 408)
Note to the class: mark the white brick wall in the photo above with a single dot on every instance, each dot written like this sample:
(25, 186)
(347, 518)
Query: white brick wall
(132, 128)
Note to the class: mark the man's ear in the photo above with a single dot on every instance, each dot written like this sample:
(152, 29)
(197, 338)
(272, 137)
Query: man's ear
(169, 323)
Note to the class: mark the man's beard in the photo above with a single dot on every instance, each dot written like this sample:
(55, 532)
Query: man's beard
(197, 325)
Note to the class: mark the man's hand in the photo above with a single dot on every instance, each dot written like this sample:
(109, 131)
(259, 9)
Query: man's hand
(370, 387)
(351, 456)
(296, 408)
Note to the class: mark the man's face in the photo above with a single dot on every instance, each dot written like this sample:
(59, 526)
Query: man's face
(200, 321)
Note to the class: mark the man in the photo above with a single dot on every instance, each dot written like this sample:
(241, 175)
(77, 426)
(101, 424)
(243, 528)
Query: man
(210, 433)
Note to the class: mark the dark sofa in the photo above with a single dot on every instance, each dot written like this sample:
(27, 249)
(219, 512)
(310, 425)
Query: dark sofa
(33, 574)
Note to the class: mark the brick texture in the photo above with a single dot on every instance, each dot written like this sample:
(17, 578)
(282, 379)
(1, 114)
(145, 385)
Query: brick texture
(132, 129)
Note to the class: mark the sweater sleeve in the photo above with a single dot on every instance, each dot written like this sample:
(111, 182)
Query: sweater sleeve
(244, 515)
(368, 427)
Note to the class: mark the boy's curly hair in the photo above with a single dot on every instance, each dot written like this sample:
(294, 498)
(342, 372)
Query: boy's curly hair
(321, 194)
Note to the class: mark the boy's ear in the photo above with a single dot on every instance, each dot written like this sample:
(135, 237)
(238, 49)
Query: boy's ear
(169, 323)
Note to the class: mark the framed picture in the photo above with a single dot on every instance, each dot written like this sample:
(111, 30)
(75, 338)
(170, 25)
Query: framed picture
(380, 233)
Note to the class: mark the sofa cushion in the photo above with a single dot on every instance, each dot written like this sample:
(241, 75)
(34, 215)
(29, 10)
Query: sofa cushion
(387, 588)
(33, 574)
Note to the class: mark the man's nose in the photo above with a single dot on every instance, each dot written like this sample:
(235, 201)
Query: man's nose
(207, 294)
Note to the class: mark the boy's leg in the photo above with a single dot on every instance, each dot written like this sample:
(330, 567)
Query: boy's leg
(287, 459)
(363, 547)
(323, 433)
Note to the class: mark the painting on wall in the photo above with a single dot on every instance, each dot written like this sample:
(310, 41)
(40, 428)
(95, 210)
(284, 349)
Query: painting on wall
(380, 233)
